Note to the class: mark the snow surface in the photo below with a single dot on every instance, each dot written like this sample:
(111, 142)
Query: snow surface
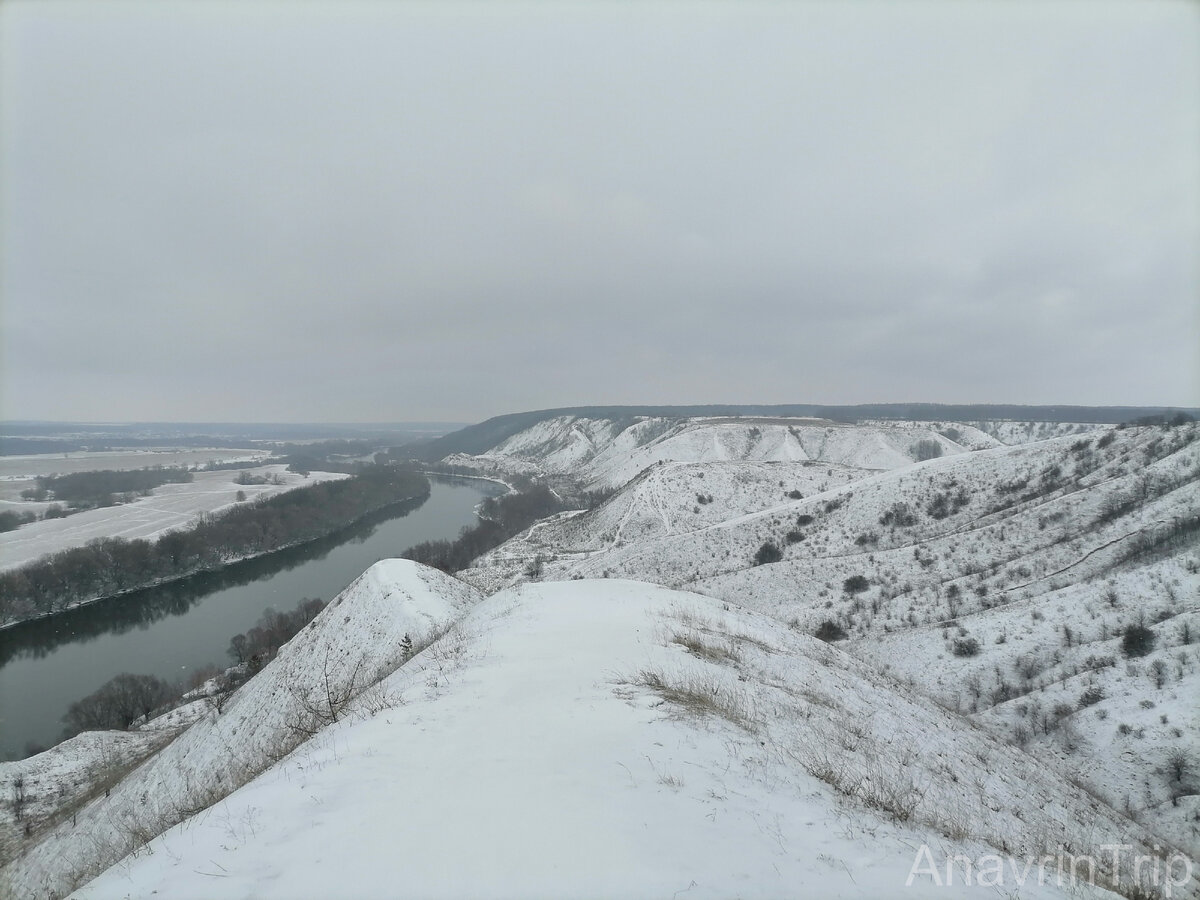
(608, 453)
(526, 754)
(56, 782)
(29, 465)
(583, 735)
(169, 507)
(984, 435)
(353, 642)
(1010, 568)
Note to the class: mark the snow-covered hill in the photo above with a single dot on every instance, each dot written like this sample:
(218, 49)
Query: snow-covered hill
(987, 433)
(782, 659)
(606, 453)
(988, 515)
(610, 738)
(356, 640)
(1000, 583)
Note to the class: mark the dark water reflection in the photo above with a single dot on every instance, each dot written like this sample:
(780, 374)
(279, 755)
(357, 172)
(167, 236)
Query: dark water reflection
(172, 630)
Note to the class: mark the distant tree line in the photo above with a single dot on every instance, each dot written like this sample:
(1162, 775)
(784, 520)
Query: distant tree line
(213, 466)
(256, 646)
(500, 518)
(125, 698)
(108, 566)
(329, 456)
(325, 449)
(25, 446)
(244, 477)
(85, 490)
(117, 704)
(1164, 419)
(444, 468)
(10, 521)
(926, 448)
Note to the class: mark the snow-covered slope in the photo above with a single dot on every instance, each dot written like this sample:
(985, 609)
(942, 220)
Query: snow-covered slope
(618, 739)
(985, 434)
(667, 499)
(1014, 521)
(50, 786)
(1028, 432)
(608, 453)
(1005, 578)
(353, 642)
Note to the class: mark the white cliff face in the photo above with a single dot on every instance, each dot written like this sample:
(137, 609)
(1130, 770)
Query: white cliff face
(608, 453)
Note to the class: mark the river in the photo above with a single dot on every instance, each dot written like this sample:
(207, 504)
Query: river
(171, 631)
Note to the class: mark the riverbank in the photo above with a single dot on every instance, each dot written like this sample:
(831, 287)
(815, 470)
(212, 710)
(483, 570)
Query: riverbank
(166, 508)
(229, 564)
(178, 628)
(110, 568)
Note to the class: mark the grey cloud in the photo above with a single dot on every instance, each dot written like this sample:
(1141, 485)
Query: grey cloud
(379, 212)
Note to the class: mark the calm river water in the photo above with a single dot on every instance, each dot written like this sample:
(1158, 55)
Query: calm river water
(173, 630)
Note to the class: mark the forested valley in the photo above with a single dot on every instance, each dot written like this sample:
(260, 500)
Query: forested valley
(499, 519)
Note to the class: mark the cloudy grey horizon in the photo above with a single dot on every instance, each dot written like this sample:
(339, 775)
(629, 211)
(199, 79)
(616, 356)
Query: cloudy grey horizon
(370, 212)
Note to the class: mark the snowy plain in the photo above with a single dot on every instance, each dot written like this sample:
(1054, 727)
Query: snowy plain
(169, 507)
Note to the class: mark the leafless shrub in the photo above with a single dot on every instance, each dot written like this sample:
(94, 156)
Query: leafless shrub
(1158, 673)
(324, 704)
(1179, 770)
(887, 788)
(18, 797)
(376, 699)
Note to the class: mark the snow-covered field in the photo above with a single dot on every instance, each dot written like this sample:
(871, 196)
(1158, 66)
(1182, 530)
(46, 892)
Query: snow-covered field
(599, 738)
(30, 466)
(170, 506)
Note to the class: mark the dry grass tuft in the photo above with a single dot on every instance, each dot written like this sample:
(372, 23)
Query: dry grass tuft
(697, 693)
(698, 646)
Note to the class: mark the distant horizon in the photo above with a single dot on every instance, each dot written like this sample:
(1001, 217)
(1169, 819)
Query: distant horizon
(1161, 407)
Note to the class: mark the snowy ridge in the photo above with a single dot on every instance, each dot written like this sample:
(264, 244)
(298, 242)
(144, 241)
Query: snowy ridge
(608, 453)
(1007, 519)
(618, 739)
(346, 649)
(986, 434)
(1029, 432)
(1042, 555)
(663, 501)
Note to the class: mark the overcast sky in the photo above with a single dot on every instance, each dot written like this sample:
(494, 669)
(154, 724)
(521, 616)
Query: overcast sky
(360, 212)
